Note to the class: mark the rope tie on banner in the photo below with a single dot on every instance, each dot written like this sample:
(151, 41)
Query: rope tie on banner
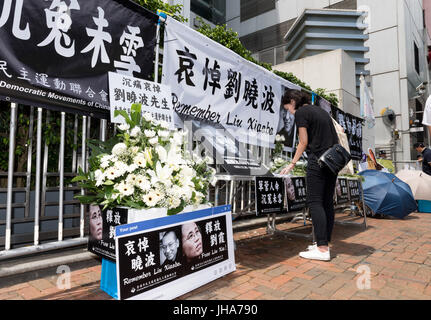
(162, 16)
(313, 97)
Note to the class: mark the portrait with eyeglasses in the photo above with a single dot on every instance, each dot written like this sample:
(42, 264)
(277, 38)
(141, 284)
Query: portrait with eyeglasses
(191, 238)
(169, 245)
(96, 222)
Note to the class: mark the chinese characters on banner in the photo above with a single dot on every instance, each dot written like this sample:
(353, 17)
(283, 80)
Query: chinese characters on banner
(342, 191)
(296, 193)
(102, 230)
(213, 84)
(154, 97)
(57, 54)
(269, 195)
(354, 189)
(353, 128)
(165, 259)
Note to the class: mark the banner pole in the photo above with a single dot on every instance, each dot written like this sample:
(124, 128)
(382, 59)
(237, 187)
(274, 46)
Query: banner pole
(162, 18)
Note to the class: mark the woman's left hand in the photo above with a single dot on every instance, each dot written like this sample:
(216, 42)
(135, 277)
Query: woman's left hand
(287, 169)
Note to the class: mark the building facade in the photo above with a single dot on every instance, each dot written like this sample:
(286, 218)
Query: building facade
(396, 36)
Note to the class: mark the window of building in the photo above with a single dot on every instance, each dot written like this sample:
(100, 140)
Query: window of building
(416, 58)
(211, 10)
(253, 8)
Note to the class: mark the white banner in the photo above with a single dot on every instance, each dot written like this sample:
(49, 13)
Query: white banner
(154, 97)
(211, 83)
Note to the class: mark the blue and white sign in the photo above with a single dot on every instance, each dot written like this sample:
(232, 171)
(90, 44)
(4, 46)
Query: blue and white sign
(167, 257)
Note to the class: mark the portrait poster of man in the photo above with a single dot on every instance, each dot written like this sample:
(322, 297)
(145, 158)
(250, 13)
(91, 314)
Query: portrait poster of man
(287, 128)
(342, 191)
(181, 253)
(102, 230)
(296, 193)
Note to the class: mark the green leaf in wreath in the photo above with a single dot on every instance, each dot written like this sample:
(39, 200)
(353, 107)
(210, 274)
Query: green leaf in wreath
(175, 211)
(79, 178)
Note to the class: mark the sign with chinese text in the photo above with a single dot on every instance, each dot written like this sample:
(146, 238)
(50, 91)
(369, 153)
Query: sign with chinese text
(296, 193)
(269, 195)
(353, 128)
(101, 240)
(167, 257)
(155, 98)
(57, 54)
(212, 84)
(342, 191)
(354, 189)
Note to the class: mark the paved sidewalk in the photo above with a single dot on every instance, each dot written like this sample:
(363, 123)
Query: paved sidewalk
(397, 253)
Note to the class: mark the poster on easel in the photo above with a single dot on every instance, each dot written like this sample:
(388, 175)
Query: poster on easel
(167, 257)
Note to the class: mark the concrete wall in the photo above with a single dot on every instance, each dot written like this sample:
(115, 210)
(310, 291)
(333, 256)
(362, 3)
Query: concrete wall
(335, 72)
(284, 10)
(394, 27)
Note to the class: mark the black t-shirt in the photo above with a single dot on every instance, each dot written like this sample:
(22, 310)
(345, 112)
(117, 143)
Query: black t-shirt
(320, 129)
(426, 167)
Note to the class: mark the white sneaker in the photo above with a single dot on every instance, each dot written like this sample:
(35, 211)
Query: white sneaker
(312, 246)
(316, 254)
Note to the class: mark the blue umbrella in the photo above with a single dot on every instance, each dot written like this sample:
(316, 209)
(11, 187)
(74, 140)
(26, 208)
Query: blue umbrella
(384, 193)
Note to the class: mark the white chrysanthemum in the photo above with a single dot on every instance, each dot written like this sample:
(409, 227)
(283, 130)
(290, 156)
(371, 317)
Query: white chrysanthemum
(121, 168)
(147, 116)
(135, 132)
(163, 154)
(150, 199)
(124, 127)
(140, 160)
(132, 168)
(111, 173)
(174, 202)
(164, 124)
(143, 183)
(154, 140)
(163, 133)
(105, 161)
(149, 133)
(131, 179)
(125, 189)
(119, 149)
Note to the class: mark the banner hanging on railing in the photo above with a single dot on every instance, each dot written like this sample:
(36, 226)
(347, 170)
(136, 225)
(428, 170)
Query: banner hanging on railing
(57, 54)
(353, 128)
(213, 84)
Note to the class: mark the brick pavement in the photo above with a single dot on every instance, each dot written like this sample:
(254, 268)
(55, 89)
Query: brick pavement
(397, 253)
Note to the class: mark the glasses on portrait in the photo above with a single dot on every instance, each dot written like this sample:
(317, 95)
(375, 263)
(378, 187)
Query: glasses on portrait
(96, 215)
(191, 236)
(170, 245)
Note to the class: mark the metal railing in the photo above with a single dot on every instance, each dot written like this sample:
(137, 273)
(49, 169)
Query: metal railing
(42, 216)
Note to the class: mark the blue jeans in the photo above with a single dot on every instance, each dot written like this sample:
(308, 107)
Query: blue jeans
(320, 200)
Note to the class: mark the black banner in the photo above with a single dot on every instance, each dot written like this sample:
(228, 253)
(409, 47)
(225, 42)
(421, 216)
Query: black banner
(57, 54)
(296, 193)
(342, 191)
(269, 195)
(102, 224)
(354, 190)
(353, 128)
(151, 259)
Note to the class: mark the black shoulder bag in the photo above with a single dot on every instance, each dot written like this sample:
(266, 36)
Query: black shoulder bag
(335, 158)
